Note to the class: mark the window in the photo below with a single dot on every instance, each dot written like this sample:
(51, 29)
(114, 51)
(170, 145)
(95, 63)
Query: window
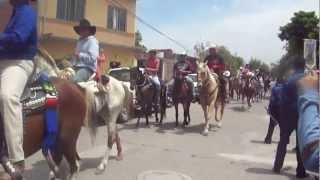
(117, 19)
(70, 10)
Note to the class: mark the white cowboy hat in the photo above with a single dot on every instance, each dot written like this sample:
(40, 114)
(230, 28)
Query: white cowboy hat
(226, 73)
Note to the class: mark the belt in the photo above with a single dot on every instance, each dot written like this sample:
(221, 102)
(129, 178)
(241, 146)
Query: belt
(309, 149)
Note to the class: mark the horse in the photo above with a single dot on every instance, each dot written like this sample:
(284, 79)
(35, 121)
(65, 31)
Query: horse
(248, 90)
(208, 86)
(146, 94)
(182, 94)
(72, 112)
(105, 102)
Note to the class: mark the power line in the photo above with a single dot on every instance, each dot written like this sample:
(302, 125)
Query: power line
(149, 25)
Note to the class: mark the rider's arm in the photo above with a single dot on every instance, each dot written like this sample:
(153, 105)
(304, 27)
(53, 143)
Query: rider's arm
(91, 56)
(309, 127)
(25, 22)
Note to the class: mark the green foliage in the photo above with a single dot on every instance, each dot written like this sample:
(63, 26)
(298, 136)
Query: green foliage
(303, 25)
(138, 41)
(258, 64)
(232, 61)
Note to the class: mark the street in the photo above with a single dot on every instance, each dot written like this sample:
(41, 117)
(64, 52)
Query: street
(236, 151)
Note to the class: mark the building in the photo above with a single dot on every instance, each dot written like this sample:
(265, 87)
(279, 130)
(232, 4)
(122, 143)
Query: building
(113, 18)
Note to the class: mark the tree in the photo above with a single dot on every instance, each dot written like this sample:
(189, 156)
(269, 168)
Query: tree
(303, 25)
(255, 63)
(138, 41)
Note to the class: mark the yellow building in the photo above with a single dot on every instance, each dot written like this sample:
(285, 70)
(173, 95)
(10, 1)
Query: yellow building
(113, 18)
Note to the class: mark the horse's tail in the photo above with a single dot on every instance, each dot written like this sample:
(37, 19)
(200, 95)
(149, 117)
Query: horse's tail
(128, 101)
(91, 120)
(163, 100)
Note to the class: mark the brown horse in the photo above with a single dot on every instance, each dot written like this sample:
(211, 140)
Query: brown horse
(182, 94)
(146, 94)
(248, 90)
(72, 110)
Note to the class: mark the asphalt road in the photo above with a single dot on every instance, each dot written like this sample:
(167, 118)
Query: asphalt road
(236, 151)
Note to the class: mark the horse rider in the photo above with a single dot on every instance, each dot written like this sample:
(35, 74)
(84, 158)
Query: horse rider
(87, 52)
(274, 109)
(18, 47)
(152, 69)
(216, 64)
(289, 117)
(181, 69)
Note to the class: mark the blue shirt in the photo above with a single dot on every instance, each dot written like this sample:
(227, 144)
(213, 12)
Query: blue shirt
(275, 99)
(19, 39)
(290, 98)
(309, 126)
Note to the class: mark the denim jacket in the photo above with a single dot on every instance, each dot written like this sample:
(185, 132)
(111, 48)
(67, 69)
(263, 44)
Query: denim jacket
(309, 126)
(88, 50)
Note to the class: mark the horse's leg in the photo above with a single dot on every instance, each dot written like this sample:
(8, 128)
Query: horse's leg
(184, 114)
(119, 147)
(188, 110)
(176, 105)
(206, 118)
(112, 138)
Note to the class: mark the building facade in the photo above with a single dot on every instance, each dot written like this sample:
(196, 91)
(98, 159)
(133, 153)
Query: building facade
(113, 19)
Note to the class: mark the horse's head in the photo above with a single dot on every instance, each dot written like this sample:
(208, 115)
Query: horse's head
(203, 73)
(137, 77)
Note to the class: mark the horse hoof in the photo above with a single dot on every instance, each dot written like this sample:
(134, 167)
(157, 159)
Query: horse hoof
(100, 169)
(219, 124)
(205, 132)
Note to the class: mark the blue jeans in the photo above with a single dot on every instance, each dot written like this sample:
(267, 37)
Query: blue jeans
(82, 74)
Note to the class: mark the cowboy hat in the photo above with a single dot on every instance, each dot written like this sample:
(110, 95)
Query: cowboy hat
(84, 23)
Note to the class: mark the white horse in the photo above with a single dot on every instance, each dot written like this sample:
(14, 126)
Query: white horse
(105, 101)
(208, 90)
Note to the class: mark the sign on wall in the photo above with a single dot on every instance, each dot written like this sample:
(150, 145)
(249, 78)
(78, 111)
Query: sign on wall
(310, 48)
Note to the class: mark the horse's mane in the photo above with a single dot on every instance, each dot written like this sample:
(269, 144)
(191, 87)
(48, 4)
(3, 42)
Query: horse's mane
(45, 62)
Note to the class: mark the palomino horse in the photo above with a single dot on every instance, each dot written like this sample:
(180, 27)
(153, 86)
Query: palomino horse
(146, 94)
(182, 93)
(208, 89)
(71, 116)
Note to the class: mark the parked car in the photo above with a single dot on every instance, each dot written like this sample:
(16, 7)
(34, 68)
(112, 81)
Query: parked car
(195, 85)
(123, 74)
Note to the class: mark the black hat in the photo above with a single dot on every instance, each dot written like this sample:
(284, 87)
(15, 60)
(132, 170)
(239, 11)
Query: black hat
(84, 23)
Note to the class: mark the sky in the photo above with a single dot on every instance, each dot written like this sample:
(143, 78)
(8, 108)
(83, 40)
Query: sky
(248, 28)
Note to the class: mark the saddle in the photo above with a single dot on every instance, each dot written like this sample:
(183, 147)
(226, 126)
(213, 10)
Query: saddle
(38, 94)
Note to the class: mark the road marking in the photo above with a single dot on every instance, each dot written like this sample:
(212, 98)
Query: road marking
(161, 175)
(254, 159)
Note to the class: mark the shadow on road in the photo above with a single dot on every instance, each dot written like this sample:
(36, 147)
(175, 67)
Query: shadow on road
(239, 108)
(262, 171)
(39, 170)
(261, 142)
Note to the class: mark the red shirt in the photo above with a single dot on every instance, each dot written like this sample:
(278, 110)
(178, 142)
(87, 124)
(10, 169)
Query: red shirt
(153, 63)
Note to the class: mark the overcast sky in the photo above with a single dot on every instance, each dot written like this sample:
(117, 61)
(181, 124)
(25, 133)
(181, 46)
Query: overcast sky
(249, 28)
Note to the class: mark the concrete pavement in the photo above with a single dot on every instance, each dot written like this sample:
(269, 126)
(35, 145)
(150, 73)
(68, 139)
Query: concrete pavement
(236, 151)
